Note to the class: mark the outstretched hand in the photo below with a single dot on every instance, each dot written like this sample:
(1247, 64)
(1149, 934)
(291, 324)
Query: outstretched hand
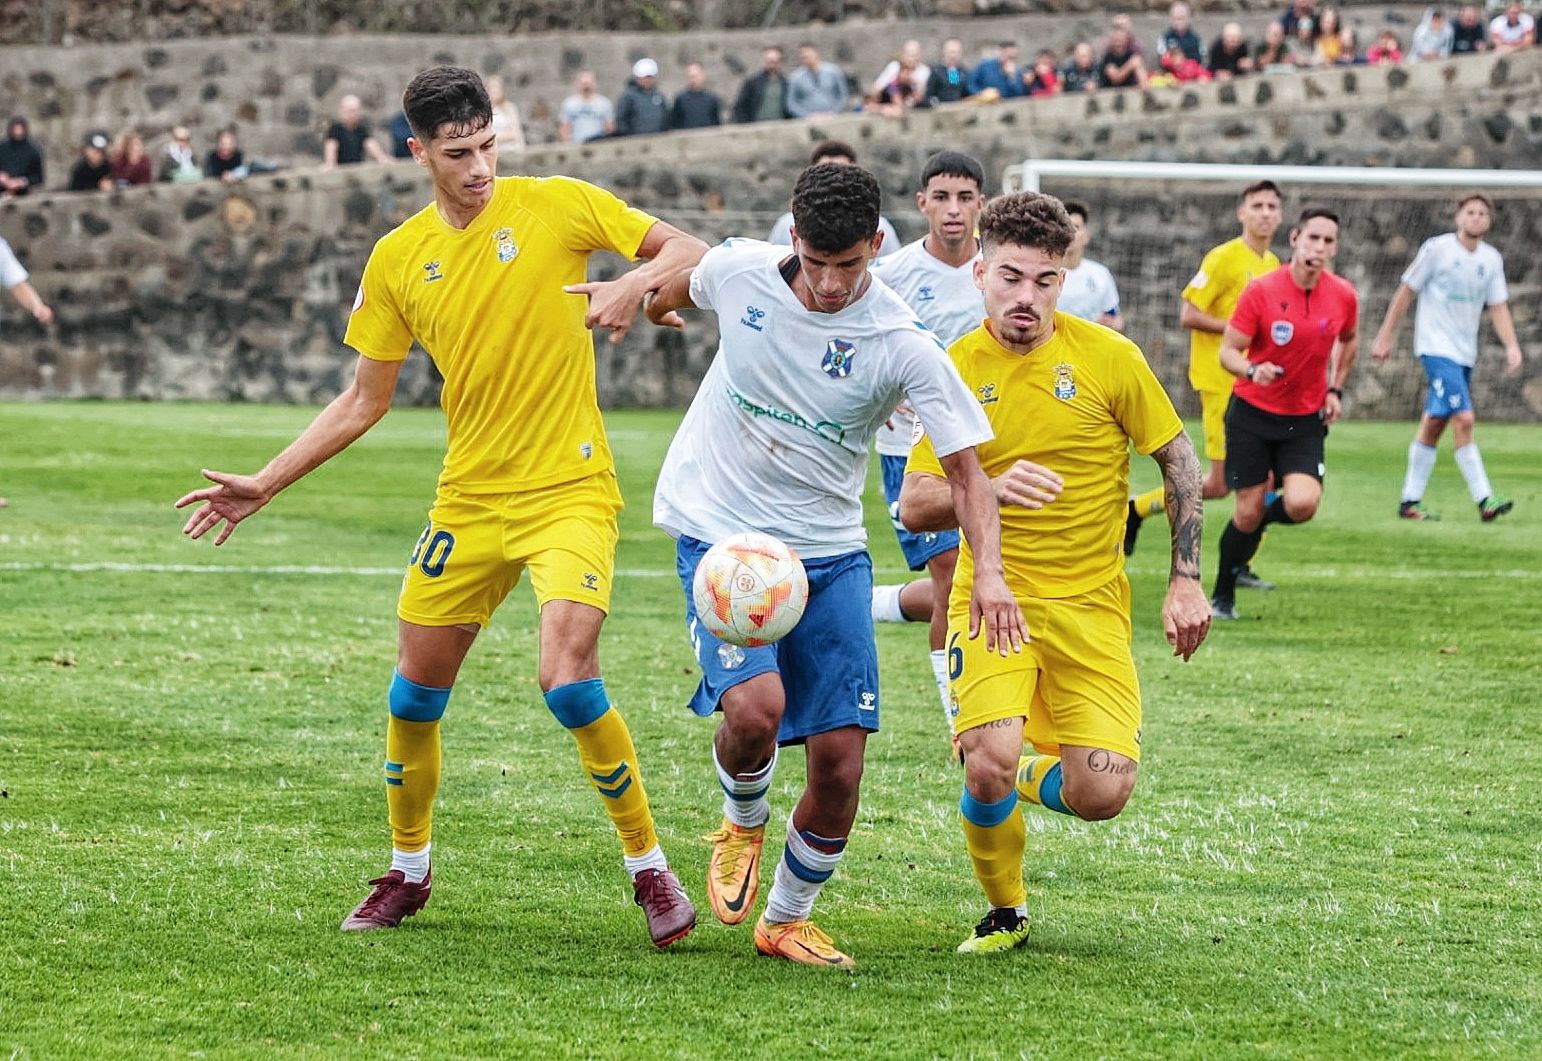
(229, 501)
(613, 306)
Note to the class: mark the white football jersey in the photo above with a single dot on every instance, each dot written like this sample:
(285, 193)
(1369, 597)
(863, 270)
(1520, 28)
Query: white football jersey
(776, 439)
(944, 299)
(1453, 284)
(11, 270)
(1089, 291)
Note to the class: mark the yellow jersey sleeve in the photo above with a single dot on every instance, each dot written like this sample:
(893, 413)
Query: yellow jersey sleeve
(376, 327)
(1140, 405)
(1211, 283)
(594, 219)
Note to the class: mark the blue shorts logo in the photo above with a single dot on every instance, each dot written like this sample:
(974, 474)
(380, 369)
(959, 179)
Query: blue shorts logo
(838, 357)
(1281, 332)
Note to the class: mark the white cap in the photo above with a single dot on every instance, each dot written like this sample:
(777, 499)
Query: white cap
(645, 68)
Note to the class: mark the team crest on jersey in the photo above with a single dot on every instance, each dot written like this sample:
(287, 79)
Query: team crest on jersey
(1065, 383)
(1281, 332)
(987, 393)
(503, 240)
(432, 273)
(838, 357)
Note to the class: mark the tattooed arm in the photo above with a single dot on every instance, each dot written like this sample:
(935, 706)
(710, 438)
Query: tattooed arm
(1186, 612)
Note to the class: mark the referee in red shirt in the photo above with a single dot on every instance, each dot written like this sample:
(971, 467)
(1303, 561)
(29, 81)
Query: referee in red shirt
(1294, 331)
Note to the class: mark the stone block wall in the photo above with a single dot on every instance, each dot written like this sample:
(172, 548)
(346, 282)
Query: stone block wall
(240, 293)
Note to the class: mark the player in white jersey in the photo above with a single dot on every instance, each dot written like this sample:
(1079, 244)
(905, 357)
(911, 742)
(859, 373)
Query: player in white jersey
(1454, 276)
(840, 152)
(935, 277)
(13, 277)
(814, 356)
(1088, 291)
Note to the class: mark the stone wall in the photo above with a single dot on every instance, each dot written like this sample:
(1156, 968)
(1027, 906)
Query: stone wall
(282, 92)
(240, 293)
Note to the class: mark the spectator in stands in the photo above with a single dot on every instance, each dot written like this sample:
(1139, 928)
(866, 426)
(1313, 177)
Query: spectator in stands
(816, 88)
(1299, 11)
(763, 96)
(902, 84)
(1122, 65)
(1349, 47)
(507, 127)
(1080, 73)
(179, 162)
(642, 109)
(349, 140)
(130, 164)
(842, 154)
(1468, 36)
(21, 163)
(93, 170)
(949, 82)
(1512, 30)
(1302, 46)
(697, 107)
(999, 72)
(1179, 69)
(1433, 38)
(226, 162)
(1180, 31)
(1274, 53)
(1386, 51)
(1044, 79)
(1329, 47)
(1229, 56)
(585, 115)
(400, 131)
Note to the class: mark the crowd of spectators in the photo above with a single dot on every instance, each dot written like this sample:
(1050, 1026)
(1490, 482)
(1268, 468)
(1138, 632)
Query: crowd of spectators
(1305, 35)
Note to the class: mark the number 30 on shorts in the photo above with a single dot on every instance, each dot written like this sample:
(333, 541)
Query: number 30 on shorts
(432, 551)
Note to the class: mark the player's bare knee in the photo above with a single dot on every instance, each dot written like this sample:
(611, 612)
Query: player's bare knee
(1302, 509)
(752, 712)
(1100, 802)
(989, 773)
(941, 568)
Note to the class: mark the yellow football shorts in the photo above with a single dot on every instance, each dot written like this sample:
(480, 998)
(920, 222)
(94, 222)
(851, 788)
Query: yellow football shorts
(1212, 404)
(471, 553)
(1074, 681)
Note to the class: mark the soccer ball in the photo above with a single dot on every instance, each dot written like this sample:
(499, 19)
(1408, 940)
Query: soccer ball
(750, 590)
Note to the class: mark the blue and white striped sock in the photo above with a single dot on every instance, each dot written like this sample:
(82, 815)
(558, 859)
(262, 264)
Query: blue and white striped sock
(807, 862)
(745, 798)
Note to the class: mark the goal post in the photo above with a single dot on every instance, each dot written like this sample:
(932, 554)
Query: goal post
(1152, 223)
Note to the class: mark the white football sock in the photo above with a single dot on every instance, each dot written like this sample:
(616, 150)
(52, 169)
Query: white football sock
(886, 605)
(413, 864)
(940, 672)
(653, 858)
(1471, 462)
(792, 895)
(746, 800)
(1421, 463)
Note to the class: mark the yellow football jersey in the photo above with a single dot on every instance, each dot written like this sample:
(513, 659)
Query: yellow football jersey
(487, 304)
(1215, 289)
(1073, 405)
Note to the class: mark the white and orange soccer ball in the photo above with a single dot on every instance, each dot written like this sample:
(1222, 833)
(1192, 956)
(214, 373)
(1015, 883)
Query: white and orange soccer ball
(750, 589)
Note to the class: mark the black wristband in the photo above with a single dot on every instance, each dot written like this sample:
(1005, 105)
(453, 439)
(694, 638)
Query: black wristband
(1252, 368)
(1337, 392)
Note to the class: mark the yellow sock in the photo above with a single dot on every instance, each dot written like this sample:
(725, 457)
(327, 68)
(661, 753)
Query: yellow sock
(1039, 781)
(412, 781)
(995, 837)
(1151, 502)
(610, 761)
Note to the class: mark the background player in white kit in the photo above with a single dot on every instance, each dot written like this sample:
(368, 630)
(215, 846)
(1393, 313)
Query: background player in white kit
(1089, 291)
(1454, 276)
(814, 356)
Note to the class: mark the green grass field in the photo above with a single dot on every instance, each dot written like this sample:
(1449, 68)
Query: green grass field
(1333, 850)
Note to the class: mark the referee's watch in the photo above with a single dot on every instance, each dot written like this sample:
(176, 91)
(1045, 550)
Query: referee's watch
(1337, 392)
(1252, 368)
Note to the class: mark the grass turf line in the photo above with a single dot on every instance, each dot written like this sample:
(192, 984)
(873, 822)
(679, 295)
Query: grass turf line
(1332, 850)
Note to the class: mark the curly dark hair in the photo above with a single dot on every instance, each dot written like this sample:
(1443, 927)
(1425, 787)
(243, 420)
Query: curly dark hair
(446, 101)
(835, 206)
(1026, 219)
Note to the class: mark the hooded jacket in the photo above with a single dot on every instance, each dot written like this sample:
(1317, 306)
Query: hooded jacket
(21, 158)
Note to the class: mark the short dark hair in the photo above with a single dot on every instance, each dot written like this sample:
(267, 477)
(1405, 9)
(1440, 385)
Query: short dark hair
(831, 149)
(446, 96)
(1077, 208)
(1260, 186)
(835, 206)
(1314, 212)
(1476, 197)
(953, 164)
(1027, 219)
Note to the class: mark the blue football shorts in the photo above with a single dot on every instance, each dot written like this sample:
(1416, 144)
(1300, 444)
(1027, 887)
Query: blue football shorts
(1450, 391)
(918, 548)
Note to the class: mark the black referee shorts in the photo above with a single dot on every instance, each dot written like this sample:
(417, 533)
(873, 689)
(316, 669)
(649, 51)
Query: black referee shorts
(1259, 442)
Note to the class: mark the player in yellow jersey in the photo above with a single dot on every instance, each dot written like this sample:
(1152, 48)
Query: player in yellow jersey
(1065, 398)
(490, 280)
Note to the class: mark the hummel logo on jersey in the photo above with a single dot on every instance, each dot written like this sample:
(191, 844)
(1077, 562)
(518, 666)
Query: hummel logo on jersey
(987, 393)
(752, 318)
(432, 269)
(838, 357)
(591, 580)
(925, 294)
